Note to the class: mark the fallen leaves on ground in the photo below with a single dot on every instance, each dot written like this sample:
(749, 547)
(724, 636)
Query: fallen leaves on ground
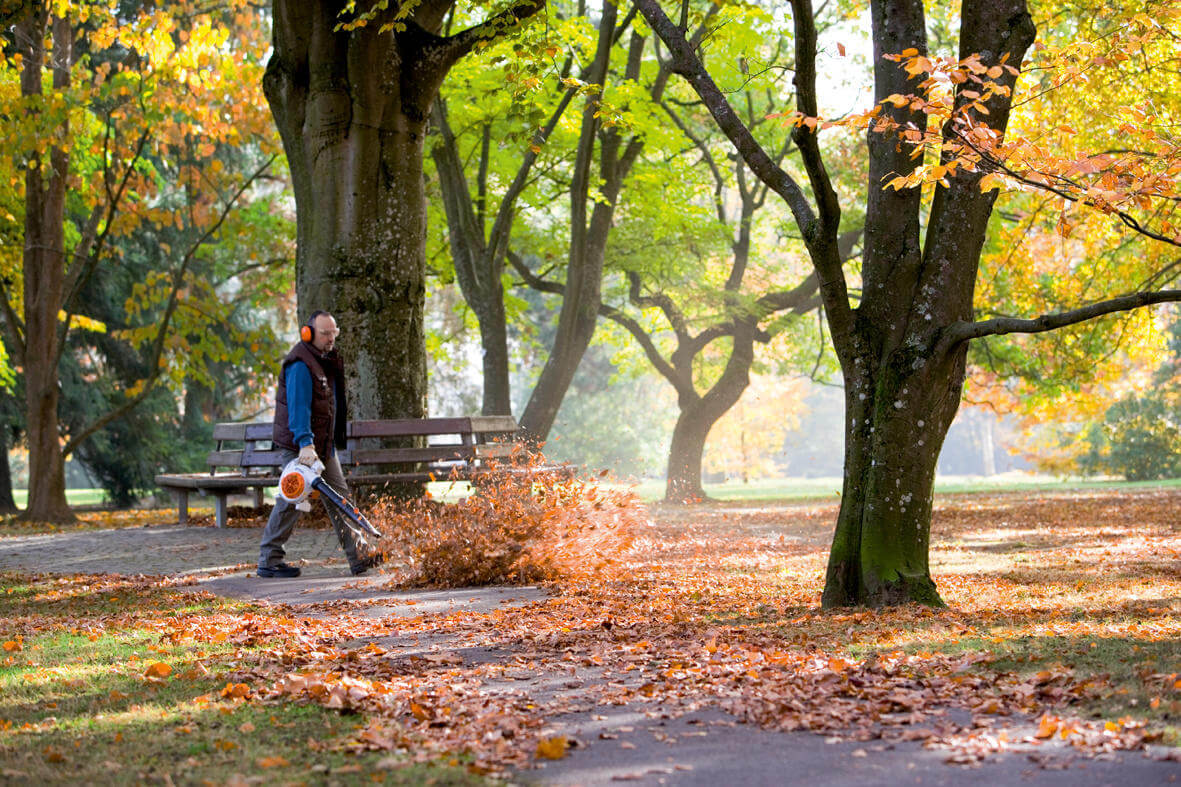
(717, 607)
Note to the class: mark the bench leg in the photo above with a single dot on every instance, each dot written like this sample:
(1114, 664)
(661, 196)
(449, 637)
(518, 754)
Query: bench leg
(258, 495)
(220, 508)
(182, 506)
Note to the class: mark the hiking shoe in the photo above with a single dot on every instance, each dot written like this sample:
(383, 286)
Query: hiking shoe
(279, 570)
(366, 563)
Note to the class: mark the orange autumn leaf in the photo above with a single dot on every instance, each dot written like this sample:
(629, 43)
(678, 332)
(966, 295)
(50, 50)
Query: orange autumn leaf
(158, 670)
(551, 748)
(273, 762)
(235, 691)
(1046, 727)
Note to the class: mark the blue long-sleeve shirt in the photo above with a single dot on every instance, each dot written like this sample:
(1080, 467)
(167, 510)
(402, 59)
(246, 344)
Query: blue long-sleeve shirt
(299, 403)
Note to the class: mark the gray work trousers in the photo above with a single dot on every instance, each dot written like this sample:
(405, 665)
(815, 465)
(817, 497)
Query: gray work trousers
(284, 515)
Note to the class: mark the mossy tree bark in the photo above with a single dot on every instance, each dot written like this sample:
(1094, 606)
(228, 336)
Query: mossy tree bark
(352, 108)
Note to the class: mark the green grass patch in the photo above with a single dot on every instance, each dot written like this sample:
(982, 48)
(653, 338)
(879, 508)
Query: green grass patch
(81, 702)
(830, 487)
(75, 497)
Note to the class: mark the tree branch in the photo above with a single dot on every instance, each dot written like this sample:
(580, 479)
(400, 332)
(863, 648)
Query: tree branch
(964, 331)
(542, 285)
(82, 270)
(451, 48)
(658, 301)
(804, 136)
(824, 254)
(1069, 190)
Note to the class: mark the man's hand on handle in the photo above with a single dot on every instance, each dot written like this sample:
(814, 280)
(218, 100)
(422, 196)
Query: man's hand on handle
(307, 455)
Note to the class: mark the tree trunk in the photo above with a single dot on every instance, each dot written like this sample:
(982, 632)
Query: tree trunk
(352, 108)
(477, 267)
(895, 423)
(7, 503)
(902, 349)
(902, 381)
(588, 245)
(352, 121)
(44, 272)
(985, 428)
(698, 416)
(494, 343)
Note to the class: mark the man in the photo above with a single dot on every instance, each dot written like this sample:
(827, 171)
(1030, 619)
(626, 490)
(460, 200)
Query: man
(310, 418)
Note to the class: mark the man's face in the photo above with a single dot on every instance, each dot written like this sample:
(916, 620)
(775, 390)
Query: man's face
(325, 337)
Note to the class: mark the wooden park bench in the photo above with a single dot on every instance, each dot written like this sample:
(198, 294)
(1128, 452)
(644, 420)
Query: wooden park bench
(378, 453)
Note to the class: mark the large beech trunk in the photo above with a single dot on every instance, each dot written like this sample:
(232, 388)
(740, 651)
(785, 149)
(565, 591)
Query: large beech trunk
(352, 116)
(895, 422)
(352, 109)
(902, 379)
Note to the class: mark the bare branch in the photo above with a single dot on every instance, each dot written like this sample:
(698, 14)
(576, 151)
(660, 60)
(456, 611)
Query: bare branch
(658, 301)
(816, 233)
(964, 331)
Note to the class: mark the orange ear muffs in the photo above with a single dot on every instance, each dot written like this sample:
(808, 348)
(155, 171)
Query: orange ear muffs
(305, 333)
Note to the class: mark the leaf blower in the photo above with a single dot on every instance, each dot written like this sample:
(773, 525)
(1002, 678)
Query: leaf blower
(297, 483)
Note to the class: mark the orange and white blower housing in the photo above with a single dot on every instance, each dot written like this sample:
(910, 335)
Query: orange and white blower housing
(298, 484)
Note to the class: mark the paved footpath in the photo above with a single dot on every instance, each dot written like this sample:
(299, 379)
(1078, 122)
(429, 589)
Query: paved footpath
(640, 745)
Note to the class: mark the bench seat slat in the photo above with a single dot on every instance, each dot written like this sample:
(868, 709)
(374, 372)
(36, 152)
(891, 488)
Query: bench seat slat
(206, 481)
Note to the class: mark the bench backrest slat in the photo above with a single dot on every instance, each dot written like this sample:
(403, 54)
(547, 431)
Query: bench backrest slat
(240, 458)
(244, 431)
(464, 438)
(434, 453)
(494, 424)
(409, 427)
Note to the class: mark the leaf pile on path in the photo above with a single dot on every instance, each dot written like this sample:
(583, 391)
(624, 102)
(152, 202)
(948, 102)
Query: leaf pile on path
(524, 525)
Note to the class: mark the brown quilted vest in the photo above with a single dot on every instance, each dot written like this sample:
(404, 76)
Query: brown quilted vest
(328, 402)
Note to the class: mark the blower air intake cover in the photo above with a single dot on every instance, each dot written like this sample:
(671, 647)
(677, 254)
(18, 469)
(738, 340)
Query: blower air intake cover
(295, 483)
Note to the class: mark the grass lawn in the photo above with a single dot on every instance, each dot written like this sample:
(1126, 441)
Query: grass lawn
(75, 497)
(106, 681)
(809, 488)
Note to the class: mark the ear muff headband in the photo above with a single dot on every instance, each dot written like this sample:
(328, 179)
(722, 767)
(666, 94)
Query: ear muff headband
(308, 329)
